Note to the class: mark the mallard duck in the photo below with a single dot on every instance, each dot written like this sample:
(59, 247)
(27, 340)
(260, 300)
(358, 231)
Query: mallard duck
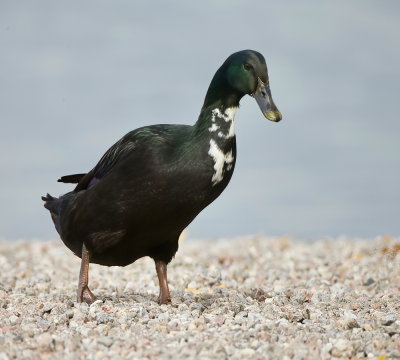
(151, 184)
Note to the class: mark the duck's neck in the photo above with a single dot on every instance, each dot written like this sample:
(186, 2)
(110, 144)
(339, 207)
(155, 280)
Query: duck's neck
(218, 124)
(219, 108)
(215, 128)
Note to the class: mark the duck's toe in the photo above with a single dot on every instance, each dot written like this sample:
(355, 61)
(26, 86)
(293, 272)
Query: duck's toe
(85, 295)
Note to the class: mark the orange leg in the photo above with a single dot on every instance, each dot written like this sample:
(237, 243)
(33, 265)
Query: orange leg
(164, 297)
(84, 293)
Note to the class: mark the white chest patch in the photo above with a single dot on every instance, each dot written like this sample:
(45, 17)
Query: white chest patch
(220, 159)
(228, 116)
(214, 127)
(231, 132)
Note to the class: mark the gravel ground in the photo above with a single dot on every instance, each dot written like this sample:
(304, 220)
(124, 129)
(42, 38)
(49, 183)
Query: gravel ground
(244, 298)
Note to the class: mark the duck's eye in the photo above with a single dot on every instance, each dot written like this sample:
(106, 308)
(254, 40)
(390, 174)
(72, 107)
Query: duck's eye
(247, 66)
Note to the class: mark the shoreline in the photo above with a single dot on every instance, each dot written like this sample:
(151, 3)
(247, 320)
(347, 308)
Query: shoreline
(248, 297)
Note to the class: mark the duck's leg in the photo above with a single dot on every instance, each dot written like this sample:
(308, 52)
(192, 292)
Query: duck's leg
(161, 268)
(84, 293)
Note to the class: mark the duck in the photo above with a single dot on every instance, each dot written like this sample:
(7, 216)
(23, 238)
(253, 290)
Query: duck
(152, 183)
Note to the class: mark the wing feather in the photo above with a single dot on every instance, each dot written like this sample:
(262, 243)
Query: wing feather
(107, 162)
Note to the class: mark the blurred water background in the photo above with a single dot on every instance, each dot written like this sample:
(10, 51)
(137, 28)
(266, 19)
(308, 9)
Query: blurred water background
(77, 75)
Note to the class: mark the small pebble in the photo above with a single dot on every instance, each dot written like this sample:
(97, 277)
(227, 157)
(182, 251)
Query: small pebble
(43, 323)
(47, 308)
(369, 281)
(44, 340)
(388, 319)
(105, 340)
(69, 314)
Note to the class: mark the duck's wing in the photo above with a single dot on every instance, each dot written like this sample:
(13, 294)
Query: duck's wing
(106, 163)
(155, 134)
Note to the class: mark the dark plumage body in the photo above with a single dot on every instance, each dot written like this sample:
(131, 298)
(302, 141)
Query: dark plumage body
(151, 184)
(140, 208)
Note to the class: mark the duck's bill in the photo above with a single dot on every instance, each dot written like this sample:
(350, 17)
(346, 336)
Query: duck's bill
(265, 102)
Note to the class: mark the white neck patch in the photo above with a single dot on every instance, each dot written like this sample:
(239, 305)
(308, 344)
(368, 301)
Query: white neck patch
(223, 125)
(228, 116)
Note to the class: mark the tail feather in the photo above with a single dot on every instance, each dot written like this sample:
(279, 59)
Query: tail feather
(48, 197)
(54, 205)
(51, 203)
(72, 179)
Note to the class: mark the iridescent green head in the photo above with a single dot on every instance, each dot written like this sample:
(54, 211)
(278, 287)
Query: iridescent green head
(247, 73)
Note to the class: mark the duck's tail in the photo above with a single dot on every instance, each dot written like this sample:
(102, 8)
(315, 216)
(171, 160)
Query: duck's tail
(58, 207)
(53, 204)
